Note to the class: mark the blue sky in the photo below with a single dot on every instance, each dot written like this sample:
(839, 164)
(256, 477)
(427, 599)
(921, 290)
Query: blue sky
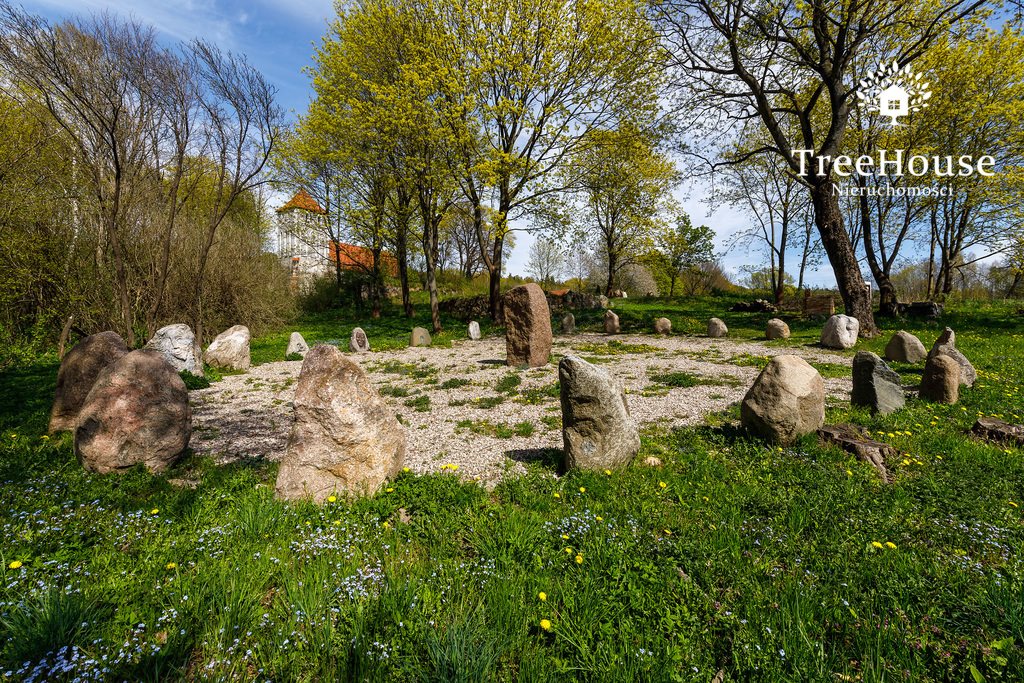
(279, 38)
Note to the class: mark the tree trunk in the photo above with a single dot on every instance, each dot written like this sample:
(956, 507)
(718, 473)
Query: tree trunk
(834, 238)
(613, 259)
(888, 303)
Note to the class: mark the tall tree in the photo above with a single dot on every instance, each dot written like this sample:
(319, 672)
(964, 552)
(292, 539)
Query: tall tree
(682, 247)
(787, 65)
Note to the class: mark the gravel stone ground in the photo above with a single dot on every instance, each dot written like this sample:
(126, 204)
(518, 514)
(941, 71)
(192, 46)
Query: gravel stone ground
(468, 421)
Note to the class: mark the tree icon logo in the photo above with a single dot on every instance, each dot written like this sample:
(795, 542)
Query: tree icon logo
(894, 92)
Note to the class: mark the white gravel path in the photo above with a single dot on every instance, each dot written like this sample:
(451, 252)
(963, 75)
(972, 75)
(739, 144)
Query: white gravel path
(249, 416)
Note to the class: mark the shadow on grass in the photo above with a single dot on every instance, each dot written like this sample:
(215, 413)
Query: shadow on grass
(26, 394)
(548, 458)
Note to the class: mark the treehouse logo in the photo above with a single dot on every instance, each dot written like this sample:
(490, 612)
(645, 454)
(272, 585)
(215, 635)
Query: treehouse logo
(894, 92)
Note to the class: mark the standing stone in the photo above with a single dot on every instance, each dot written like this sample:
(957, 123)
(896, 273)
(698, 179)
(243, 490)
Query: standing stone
(178, 345)
(358, 343)
(905, 348)
(474, 330)
(78, 373)
(876, 385)
(597, 430)
(776, 329)
(603, 300)
(345, 440)
(717, 328)
(568, 324)
(527, 326)
(786, 401)
(840, 332)
(230, 349)
(611, 322)
(419, 337)
(296, 344)
(945, 345)
(136, 412)
(662, 326)
(941, 380)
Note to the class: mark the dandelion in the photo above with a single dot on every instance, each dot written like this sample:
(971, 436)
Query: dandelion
(890, 545)
(332, 499)
(155, 511)
(542, 596)
(706, 499)
(565, 537)
(849, 473)
(583, 489)
(568, 551)
(386, 525)
(390, 490)
(16, 564)
(405, 469)
(599, 518)
(668, 532)
(172, 565)
(608, 472)
(579, 559)
(876, 544)
(1012, 504)
(545, 624)
(662, 484)
(558, 495)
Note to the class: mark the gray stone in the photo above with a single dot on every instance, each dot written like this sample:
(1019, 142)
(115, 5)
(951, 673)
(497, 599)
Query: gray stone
(178, 345)
(474, 330)
(603, 300)
(717, 328)
(875, 384)
(78, 373)
(345, 440)
(568, 324)
(946, 345)
(998, 431)
(905, 348)
(527, 326)
(662, 326)
(296, 344)
(611, 322)
(419, 337)
(941, 380)
(137, 412)
(786, 401)
(358, 343)
(230, 349)
(840, 332)
(597, 430)
(776, 329)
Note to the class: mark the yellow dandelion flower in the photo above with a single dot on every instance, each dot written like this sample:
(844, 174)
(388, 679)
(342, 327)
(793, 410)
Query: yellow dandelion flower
(1012, 504)
(405, 469)
(332, 499)
(583, 489)
(890, 545)
(662, 484)
(565, 537)
(545, 624)
(599, 518)
(608, 472)
(668, 532)
(389, 490)
(386, 525)
(172, 565)
(16, 564)
(876, 544)
(337, 522)
(579, 559)
(568, 551)
(155, 511)
(849, 473)
(542, 596)
(558, 495)
(706, 499)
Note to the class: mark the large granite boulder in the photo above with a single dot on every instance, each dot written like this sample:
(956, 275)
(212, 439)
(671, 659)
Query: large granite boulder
(717, 328)
(611, 322)
(945, 345)
(297, 345)
(77, 374)
(662, 326)
(840, 332)
(597, 430)
(940, 382)
(345, 440)
(357, 342)
(474, 330)
(876, 385)
(786, 401)
(419, 337)
(905, 348)
(776, 329)
(527, 326)
(230, 349)
(136, 412)
(568, 324)
(179, 347)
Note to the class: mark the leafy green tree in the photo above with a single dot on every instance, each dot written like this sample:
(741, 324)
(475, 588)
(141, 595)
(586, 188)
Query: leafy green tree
(681, 247)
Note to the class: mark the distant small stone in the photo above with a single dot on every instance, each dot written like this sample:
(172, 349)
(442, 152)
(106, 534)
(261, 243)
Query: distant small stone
(876, 385)
(597, 429)
(717, 328)
(662, 326)
(940, 382)
(358, 343)
(776, 329)
(946, 345)
(78, 373)
(419, 337)
(297, 345)
(568, 324)
(178, 345)
(230, 349)
(905, 348)
(603, 300)
(840, 332)
(611, 322)
(652, 461)
(474, 330)
(786, 401)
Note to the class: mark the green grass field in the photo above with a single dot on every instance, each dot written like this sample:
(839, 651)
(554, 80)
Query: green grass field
(766, 564)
